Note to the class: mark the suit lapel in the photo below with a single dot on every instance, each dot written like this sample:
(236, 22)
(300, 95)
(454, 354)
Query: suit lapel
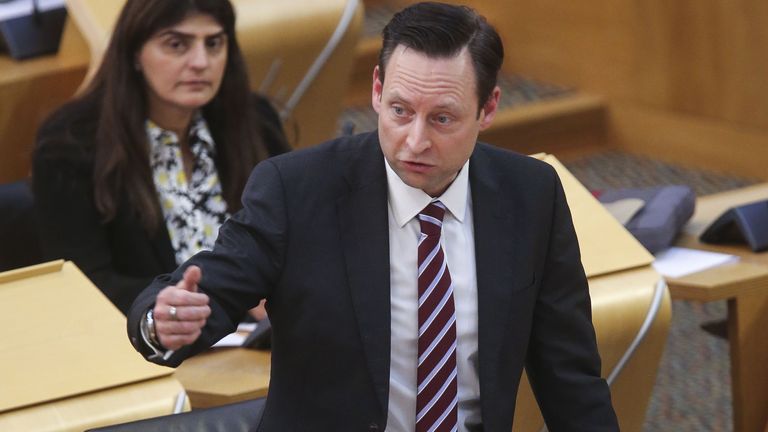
(493, 214)
(365, 238)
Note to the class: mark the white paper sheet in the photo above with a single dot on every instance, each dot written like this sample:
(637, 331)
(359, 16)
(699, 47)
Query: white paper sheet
(676, 262)
(237, 338)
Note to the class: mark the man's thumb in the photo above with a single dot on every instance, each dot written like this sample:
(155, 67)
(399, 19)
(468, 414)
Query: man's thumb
(192, 277)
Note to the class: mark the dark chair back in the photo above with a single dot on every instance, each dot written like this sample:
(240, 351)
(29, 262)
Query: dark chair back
(236, 417)
(19, 242)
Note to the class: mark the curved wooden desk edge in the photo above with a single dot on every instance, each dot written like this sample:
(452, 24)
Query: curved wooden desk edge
(225, 375)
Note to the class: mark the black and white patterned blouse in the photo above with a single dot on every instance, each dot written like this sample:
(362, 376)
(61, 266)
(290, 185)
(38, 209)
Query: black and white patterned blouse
(193, 208)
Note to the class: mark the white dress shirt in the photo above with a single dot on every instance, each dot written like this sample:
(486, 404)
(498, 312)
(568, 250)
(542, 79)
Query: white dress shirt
(457, 239)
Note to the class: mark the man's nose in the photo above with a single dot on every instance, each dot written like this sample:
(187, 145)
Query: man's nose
(418, 136)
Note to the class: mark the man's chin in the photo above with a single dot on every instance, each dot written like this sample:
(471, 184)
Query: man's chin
(419, 183)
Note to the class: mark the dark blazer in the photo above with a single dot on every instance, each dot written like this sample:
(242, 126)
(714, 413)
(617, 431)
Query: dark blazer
(120, 256)
(313, 237)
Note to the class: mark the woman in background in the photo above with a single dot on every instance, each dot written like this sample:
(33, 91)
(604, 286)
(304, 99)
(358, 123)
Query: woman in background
(138, 173)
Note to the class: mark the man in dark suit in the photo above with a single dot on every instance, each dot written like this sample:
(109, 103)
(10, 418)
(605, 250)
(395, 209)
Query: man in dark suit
(410, 273)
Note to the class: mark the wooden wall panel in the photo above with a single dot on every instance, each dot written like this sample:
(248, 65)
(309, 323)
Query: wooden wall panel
(691, 65)
(713, 145)
(29, 91)
(702, 57)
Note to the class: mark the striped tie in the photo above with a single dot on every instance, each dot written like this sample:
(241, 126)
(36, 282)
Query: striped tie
(437, 394)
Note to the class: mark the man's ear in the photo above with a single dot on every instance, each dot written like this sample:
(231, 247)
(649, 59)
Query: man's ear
(376, 88)
(488, 113)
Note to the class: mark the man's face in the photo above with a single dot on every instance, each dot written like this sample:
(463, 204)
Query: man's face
(428, 120)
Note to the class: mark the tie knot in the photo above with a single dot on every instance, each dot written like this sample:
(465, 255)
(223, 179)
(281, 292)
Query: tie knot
(431, 218)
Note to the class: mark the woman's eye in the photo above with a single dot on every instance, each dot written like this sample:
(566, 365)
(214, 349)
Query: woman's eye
(175, 44)
(215, 43)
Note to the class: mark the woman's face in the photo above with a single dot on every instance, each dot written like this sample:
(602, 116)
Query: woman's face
(183, 64)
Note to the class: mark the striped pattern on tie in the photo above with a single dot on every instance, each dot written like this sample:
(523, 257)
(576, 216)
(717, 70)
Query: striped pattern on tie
(437, 393)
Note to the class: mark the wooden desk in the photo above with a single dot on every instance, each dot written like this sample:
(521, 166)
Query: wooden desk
(225, 375)
(51, 378)
(745, 286)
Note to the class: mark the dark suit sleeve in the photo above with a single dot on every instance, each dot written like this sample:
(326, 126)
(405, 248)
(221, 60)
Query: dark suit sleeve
(69, 224)
(242, 268)
(563, 364)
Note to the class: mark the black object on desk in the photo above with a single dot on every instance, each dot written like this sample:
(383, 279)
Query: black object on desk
(261, 337)
(32, 35)
(747, 222)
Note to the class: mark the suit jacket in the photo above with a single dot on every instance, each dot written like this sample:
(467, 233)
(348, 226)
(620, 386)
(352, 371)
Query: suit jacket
(120, 256)
(313, 237)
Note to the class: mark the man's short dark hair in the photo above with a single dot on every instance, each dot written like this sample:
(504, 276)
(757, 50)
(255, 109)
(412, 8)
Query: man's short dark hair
(441, 30)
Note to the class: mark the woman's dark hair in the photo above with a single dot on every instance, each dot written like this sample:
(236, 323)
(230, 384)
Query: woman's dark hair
(121, 153)
(441, 30)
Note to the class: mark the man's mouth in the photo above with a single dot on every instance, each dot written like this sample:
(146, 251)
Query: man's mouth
(417, 166)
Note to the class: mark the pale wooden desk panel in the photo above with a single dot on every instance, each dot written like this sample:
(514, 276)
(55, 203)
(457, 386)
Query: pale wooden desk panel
(65, 363)
(747, 326)
(720, 283)
(745, 286)
(225, 375)
(130, 402)
(53, 319)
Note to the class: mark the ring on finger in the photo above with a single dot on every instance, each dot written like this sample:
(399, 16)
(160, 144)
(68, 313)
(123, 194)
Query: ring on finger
(172, 313)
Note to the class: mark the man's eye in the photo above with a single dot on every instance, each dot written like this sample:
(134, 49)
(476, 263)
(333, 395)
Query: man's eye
(399, 111)
(443, 119)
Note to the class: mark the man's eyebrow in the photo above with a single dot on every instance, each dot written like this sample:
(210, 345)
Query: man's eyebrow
(448, 106)
(395, 97)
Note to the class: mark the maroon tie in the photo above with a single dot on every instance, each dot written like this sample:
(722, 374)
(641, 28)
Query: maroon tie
(437, 394)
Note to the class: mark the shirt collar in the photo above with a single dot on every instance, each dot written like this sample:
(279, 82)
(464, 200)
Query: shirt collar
(406, 201)
(199, 135)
